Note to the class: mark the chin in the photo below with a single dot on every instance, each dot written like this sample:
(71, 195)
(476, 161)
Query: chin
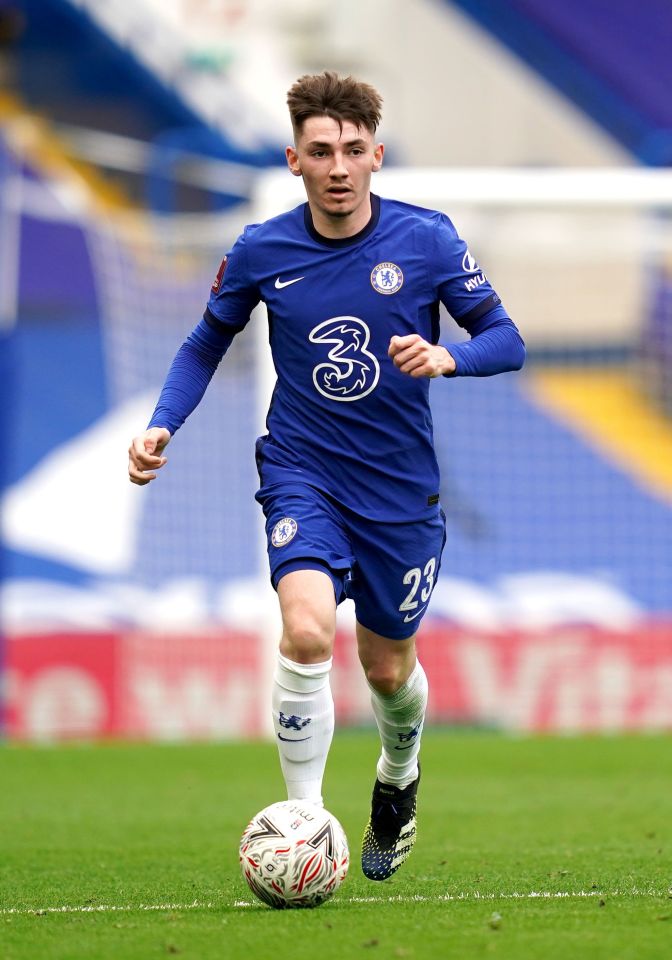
(341, 209)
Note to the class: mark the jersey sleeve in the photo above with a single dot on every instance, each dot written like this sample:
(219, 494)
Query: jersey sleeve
(459, 282)
(233, 296)
(189, 375)
(496, 346)
(234, 293)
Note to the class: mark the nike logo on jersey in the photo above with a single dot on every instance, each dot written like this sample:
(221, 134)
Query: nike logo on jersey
(410, 616)
(292, 739)
(279, 284)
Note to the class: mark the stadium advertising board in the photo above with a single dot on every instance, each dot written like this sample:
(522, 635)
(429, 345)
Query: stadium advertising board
(209, 685)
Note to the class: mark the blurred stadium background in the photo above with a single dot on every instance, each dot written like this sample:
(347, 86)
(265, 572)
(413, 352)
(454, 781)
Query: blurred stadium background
(136, 138)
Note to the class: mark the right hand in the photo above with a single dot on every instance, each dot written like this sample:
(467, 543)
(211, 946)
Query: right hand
(144, 455)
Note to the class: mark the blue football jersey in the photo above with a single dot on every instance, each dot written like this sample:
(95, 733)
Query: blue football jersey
(343, 418)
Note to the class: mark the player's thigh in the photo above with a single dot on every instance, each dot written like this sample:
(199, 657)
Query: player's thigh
(396, 568)
(308, 607)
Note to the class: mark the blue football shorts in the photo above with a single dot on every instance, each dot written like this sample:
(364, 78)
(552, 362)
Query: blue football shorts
(388, 569)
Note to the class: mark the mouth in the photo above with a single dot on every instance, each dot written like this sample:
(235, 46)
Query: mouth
(339, 192)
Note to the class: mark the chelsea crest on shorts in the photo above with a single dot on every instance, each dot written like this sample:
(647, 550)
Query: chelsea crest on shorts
(284, 531)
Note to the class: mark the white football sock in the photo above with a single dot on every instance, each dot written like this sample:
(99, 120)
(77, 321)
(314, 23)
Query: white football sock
(400, 717)
(303, 717)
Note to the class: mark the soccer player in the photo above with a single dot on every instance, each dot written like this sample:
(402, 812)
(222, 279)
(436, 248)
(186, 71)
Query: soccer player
(348, 476)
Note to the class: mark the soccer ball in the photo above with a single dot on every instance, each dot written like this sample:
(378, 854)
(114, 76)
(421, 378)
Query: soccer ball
(294, 854)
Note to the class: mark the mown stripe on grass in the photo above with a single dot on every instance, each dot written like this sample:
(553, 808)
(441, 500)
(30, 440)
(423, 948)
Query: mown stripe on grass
(416, 898)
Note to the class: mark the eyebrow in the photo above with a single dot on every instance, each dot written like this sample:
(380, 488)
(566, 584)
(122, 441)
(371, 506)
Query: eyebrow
(359, 141)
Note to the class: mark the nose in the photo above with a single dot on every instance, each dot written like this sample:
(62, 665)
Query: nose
(338, 167)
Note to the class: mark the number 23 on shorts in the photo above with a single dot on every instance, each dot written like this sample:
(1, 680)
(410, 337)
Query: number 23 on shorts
(420, 580)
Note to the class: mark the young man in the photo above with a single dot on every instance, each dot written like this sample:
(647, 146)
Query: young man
(348, 476)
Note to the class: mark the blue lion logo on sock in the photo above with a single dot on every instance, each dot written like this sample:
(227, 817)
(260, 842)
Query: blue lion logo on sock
(407, 739)
(293, 723)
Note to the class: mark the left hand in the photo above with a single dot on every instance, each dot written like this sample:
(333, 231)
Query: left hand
(418, 358)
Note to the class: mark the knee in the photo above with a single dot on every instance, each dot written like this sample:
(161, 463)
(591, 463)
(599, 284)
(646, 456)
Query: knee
(306, 640)
(386, 676)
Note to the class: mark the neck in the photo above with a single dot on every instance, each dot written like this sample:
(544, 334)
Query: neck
(335, 228)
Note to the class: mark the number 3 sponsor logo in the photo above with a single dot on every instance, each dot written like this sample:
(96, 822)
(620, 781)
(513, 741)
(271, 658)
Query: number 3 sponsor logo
(351, 371)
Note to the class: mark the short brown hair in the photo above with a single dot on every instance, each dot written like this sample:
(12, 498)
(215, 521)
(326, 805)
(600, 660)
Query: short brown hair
(341, 98)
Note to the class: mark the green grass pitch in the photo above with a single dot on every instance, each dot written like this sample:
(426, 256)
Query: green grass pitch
(527, 848)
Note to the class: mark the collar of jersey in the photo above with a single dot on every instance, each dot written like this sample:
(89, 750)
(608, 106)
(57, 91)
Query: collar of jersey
(344, 241)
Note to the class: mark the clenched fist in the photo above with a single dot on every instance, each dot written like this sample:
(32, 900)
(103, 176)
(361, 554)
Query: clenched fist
(144, 455)
(419, 358)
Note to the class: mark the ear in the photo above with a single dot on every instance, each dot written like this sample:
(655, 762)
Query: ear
(293, 161)
(378, 152)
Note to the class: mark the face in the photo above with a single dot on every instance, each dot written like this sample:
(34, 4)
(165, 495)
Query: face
(336, 166)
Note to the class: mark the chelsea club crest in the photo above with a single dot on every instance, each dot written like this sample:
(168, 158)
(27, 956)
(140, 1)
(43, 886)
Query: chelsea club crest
(386, 278)
(284, 531)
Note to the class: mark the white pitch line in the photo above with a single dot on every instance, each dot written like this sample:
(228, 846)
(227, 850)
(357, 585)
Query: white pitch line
(475, 895)
(107, 908)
